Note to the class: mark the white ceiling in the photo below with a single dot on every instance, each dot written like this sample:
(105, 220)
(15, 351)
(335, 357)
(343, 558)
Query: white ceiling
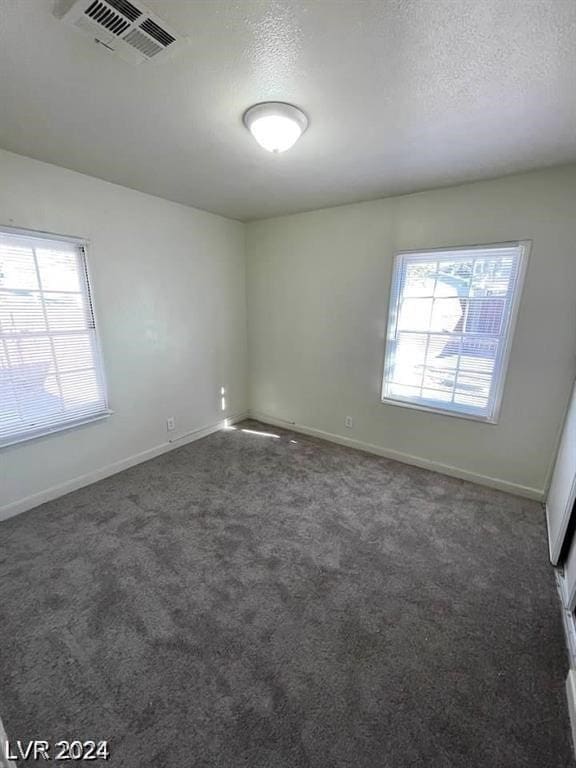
(402, 95)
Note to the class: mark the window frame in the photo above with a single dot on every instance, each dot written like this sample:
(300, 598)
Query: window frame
(86, 280)
(393, 307)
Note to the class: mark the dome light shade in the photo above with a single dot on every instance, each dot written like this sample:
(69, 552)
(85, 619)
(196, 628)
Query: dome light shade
(276, 126)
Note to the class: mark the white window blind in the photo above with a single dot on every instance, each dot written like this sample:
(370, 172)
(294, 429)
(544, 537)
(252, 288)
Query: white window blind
(449, 329)
(51, 373)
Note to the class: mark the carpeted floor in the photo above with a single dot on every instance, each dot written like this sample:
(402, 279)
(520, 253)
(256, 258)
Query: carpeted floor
(281, 603)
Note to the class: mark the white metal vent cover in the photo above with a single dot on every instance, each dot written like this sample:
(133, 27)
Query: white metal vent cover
(125, 27)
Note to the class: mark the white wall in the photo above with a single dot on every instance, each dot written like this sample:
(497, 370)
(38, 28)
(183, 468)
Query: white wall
(318, 286)
(168, 286)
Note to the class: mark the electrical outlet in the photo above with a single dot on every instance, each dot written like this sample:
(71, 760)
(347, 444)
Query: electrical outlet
(170, 424)
(348, 422)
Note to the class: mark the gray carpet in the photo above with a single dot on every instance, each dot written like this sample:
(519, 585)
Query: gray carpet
(281, 603)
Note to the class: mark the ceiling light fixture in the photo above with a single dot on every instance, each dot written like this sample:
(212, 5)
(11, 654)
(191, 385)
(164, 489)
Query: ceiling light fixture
(276, 126)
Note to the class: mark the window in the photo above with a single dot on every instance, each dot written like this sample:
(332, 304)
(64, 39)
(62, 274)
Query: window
(50, 370)
(450, 324)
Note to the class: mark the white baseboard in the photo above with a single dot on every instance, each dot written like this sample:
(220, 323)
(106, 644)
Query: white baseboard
(405, 458)
(22, 505)
(29, 502)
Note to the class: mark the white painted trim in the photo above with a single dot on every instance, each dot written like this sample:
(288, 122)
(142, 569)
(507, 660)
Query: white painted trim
(567, 617)
(557, 529)
(500, 369)
(24, 438)
(556, 543)
(4, 762)
(571, 696)
(406, 458)
(22, 505)
(40, 235)
(570, 637)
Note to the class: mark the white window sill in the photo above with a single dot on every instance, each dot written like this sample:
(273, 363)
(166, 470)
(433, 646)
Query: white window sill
(23, 438)
(440, 411)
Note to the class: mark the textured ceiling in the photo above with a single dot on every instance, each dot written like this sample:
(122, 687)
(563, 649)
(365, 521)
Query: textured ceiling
(402, 95)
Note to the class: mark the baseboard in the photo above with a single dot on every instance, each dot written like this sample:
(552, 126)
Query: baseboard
(29, 502)
(405, 458)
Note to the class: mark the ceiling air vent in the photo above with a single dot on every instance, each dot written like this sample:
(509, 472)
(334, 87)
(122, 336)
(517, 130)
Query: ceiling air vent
(126, 28)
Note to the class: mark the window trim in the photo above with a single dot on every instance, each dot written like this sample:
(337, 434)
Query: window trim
(86, 278)
(73, 424)
(392, 319)
(43, 235)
